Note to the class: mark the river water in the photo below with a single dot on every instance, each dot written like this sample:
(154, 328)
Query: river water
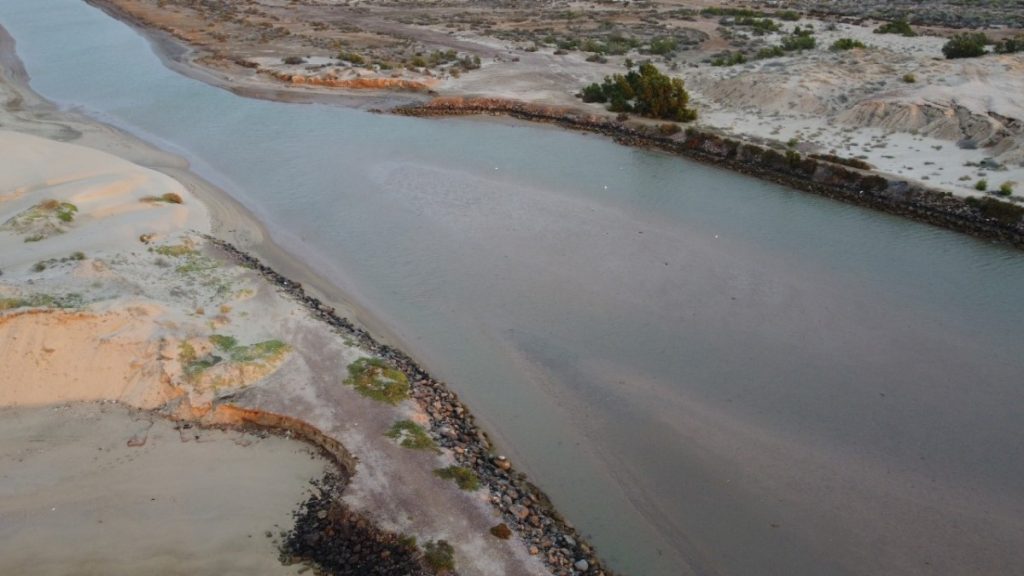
(709, 374)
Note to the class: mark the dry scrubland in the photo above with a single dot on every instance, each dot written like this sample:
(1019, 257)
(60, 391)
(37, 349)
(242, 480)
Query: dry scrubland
(896, 103)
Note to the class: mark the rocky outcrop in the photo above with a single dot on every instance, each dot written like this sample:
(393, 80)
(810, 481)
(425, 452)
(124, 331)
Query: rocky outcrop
(990, 219)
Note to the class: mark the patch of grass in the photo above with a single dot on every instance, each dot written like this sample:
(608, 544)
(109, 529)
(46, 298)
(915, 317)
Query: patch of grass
(372, 378)
(222, 342)
(259, 351)
(464, 477)
(191, 364)
(42, 220)
(411, 435)
(196, 263)
(439, 555)
(175, 250)
(71, 300)
(66, 211)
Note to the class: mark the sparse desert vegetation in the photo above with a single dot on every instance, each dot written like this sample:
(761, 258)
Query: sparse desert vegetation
(373, 378)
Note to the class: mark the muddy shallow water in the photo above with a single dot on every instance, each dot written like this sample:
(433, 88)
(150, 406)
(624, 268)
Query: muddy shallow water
(709, 374)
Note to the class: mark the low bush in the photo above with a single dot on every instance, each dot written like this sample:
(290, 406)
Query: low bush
(1010, 45)
(464, 477)
(991, 208)
(846, 44)
(967, 45)
(799, 41)
(374, 379)
(439, 556)
(901, 27)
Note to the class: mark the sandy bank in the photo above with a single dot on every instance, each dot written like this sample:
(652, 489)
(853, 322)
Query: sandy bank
(101, 489)
(110, 292)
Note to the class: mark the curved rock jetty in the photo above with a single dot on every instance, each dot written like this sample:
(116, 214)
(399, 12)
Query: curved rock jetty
(523, 506)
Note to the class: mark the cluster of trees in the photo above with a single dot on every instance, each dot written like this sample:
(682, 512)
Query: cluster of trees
(644, 91)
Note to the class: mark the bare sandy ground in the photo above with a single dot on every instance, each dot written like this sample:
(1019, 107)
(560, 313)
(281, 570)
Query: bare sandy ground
(98, 489)
(959, 122)
(108, 292)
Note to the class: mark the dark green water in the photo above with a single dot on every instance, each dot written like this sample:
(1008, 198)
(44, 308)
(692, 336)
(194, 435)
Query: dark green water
(709, 374)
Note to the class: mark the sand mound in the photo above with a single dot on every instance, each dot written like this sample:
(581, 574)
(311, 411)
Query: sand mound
(52, 356)
(101, 198)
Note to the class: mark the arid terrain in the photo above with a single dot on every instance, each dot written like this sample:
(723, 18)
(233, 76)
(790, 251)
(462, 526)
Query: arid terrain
(895, 103)
(130, 336)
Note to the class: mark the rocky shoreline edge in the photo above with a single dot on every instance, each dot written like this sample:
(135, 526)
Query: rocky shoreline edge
(845, 180)
(523, 506)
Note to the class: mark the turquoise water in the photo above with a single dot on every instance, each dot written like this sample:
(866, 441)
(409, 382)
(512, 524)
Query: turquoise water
(709, 374)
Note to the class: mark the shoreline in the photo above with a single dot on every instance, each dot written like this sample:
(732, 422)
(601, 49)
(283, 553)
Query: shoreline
(452, 424)
(835, 178)
(822, 176)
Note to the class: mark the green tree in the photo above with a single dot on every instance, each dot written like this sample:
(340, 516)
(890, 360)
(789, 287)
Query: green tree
(644, 91)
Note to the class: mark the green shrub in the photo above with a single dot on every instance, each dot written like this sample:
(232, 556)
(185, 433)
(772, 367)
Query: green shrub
(411, 435)
(769, 52)
(991, 208)
(1006, 189)
(900, 27)
(967, 45)
(730, 59)
(352, 58)
(909, 78)
(846, 44)
(662, 46)
(799, 41)
(760, 26)
(464, 477)
(439, 556)
(372, 378)
(981, 185)
(1010, 45)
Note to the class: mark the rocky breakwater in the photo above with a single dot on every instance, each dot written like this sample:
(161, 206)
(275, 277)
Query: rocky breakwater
(846, 180)
(522, 505)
